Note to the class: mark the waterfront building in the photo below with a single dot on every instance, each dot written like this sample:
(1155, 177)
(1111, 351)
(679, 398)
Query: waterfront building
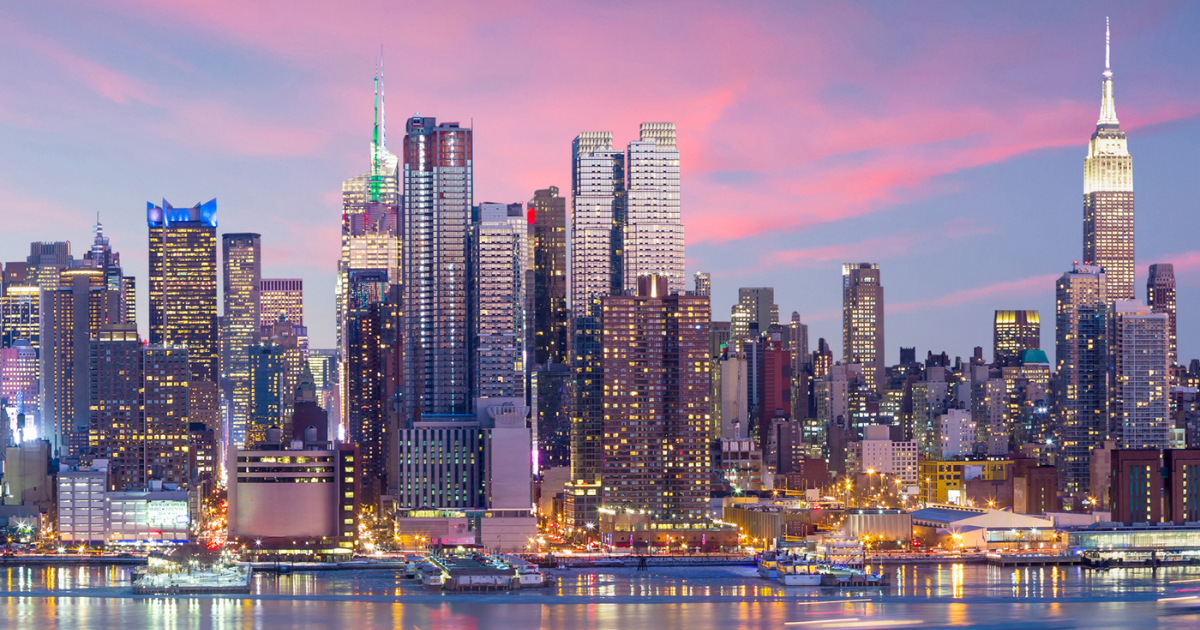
(1081, 378)
(303, 495)
(655, 401)
(1014, 332)
(862, 321)
(437, 183)
(242, 267)
(1160, 297)
(878, 453)
(1140, 382)
(1108, 219)
(183, 295)
(548, 215)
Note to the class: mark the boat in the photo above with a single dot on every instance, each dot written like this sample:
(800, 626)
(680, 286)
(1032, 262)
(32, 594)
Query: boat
(430, 577)
(768, 564)
(800, 574)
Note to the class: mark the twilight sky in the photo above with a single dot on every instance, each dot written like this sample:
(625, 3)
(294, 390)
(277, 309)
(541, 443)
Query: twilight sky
(943, 140)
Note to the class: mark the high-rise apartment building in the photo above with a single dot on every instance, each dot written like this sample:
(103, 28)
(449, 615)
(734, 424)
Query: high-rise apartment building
(1014, 332)
(1160, 297)
(1108, 197)
(166, 391)
(656, 402)
(597, 207)
(1081, 379)
(702, 282)
(499, 266)
(242, 266)
(548, 214)
(862, 321)
(653, 232)
(438, 179)
(281, 297)
(183, 295)
(1140, 382)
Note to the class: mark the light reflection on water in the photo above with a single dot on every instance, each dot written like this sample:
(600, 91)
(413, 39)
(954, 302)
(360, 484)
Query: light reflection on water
(662, 599)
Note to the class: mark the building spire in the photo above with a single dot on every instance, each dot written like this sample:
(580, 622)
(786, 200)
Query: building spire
(378, 137)
(1108, 106)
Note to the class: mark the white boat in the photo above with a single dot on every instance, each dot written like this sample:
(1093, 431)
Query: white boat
(800, 574)
(768, 564)
(430, 576)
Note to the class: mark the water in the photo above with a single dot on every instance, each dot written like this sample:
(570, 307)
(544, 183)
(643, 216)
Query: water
(661, 599)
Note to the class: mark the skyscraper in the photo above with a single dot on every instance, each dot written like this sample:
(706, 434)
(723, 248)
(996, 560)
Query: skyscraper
(1140, 376)
(139, 408)
(183, 295)
(499, 265)
(242, 266)
(548, 213)
(653, 233)
(74, 310)
(1014, 332)
(281, 296)
(370, 215)
(656, 402)
(703, 283)
(1108, 197)
(597, 204)
(1160, 297)
(862, 321)
(755, 313)
(1081, 351)
(438, 193)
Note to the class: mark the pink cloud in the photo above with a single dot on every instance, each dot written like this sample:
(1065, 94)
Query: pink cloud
(115, 86)
(1034, 285)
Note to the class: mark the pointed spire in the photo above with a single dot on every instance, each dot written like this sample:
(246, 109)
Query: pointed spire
(1108, 106)
(378, 138)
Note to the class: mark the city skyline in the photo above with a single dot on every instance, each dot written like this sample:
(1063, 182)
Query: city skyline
(944, 204)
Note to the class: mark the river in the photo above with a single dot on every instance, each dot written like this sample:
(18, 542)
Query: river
(39, 598)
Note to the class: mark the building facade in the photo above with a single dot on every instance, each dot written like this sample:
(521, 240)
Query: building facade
(862, 321)
(653, 233)
(1081, 378)
(437, 184)
(1014, 332)
(1160, 297)
(183, 295)
(1140, 382)
(656, 402)
(242, 267)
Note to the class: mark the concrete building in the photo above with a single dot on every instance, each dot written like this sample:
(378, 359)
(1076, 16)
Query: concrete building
(284, 497)
(878, 452)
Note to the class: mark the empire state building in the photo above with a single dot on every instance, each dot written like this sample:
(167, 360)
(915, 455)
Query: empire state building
(1108, 197)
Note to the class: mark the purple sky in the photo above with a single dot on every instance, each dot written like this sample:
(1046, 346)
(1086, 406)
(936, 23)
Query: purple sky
(942, 140)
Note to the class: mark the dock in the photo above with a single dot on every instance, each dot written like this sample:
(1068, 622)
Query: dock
(1031, 559)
